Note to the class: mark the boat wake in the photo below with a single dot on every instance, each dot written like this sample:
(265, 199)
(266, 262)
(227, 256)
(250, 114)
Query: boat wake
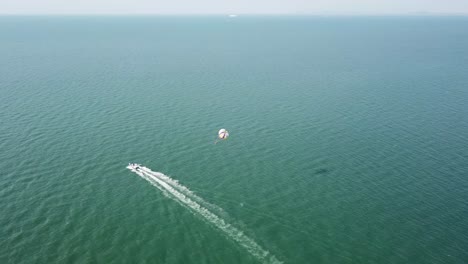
(184, 196)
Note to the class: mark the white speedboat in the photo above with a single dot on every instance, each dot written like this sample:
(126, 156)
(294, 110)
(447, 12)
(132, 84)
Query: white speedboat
(134, 167)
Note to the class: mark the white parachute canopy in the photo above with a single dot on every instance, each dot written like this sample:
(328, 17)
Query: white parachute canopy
(223, 134)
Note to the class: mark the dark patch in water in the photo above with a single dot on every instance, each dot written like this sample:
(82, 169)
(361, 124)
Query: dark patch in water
(322, 171)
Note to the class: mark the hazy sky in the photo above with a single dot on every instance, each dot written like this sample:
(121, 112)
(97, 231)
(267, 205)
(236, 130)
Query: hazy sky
(232, 6)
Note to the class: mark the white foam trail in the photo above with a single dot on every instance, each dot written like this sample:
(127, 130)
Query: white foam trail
(161, 182)
(169, 180)
(186, 191)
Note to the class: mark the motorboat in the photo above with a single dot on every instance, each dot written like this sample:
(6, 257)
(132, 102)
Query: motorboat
(134, 167)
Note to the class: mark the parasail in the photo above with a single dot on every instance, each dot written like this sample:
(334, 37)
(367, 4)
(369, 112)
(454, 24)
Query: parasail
(223, 134)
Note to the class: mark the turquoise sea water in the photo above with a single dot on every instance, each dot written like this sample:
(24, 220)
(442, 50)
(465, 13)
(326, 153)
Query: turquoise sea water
(349, 139)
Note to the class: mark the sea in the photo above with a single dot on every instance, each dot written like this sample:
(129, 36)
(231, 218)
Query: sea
(348, 139)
